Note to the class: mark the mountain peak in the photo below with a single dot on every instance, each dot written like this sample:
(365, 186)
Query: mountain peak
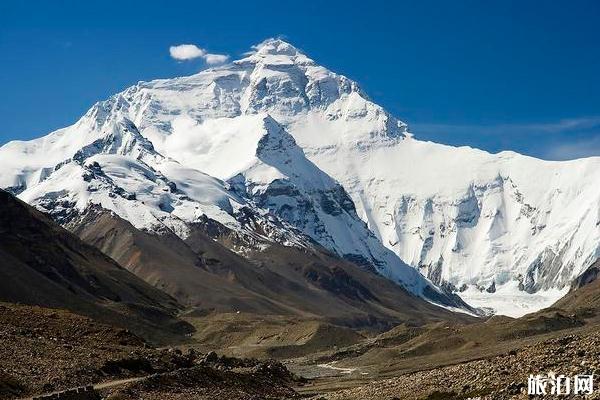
(119, 136)
(277, 51)
(276, 46)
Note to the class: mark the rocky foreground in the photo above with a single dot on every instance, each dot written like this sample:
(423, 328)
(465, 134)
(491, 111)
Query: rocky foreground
(250, 381)
(502, 377)
(47, 350)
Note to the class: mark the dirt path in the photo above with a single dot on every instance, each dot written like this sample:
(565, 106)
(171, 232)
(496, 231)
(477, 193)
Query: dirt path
(99, 386)
(110, 384)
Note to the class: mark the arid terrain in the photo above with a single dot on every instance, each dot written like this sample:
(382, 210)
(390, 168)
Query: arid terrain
(74, 317)
(498, 377)
(45, 350)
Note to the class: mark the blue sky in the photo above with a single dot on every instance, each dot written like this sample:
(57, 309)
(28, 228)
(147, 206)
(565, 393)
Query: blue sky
(502, 75)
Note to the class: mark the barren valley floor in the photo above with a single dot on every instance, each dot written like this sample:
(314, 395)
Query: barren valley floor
(47, 350)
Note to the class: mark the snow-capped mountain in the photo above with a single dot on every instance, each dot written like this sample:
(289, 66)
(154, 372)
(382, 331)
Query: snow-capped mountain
(274, 172)
(274, 192)
(119, 170)
(281, 133)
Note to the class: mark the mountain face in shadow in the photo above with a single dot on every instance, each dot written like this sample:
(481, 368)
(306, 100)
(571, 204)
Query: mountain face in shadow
(204, 275)
(43, 264)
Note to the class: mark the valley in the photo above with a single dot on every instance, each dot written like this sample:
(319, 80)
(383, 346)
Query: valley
(462, 360)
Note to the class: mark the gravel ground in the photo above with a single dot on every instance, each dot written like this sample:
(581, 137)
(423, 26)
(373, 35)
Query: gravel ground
(44, 350)
(497, 378)
(268, 381)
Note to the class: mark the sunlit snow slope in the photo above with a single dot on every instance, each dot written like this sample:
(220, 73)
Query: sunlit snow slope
(507, 231)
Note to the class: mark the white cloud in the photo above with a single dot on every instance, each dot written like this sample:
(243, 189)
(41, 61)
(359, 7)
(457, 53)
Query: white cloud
(188, 137)
(213, 59)
(564, 139)
(580, 148)
(184, 52)
(543, 128)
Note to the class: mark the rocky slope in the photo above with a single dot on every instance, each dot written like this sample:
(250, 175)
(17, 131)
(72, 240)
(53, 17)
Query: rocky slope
(47, 350)
(497, 378)
(202, 273)
(584, 296)
(43, 264)
(246, 381)
(44, 350)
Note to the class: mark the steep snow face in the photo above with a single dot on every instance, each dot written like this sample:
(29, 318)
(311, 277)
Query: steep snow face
(486, 225)
(473, 219)
(262, 162)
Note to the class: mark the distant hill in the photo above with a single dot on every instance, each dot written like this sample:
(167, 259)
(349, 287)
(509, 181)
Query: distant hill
(43, 264)
(203, 274)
